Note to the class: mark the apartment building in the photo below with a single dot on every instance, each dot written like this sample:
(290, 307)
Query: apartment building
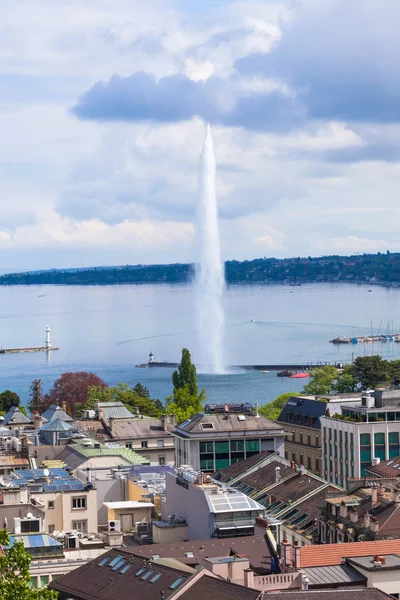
(225, 434)
(356, 439)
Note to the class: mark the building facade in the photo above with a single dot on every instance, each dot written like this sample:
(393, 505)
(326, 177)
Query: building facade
(354, 441)
(224, 435)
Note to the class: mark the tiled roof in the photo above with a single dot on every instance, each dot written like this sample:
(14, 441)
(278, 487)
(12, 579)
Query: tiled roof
(265, 476)
(253, 547)
(304, 409)
(387, 468)
(137, 428)
(296, 487)
(210, 587)
(98, 580)
(354, 594)
(236, 469)
(332, 554)
(227, 422)
(13, 461)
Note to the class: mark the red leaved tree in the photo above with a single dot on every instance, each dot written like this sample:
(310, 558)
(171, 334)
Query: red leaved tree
(73, 388)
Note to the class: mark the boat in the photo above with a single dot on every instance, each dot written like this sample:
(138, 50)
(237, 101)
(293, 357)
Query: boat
(294, 284)
(286, 373)
(300, 376)
(264, 371)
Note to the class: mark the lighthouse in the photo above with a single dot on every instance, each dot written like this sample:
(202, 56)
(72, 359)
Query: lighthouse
(48, 340)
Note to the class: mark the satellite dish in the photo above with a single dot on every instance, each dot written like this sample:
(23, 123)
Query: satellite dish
(46, 472)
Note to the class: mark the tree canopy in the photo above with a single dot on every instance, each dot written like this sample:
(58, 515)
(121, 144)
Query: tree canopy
(186, 399)
(73, 388)
(15, 577)
(8, 399)
(273, 409)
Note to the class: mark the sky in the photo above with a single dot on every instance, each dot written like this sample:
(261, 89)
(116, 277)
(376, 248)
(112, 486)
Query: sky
(103, 108)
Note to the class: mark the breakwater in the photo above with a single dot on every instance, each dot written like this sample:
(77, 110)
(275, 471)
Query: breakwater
(27, 349)
(275, 367)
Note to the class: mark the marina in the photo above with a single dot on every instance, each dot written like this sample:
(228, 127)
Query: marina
(367, 339)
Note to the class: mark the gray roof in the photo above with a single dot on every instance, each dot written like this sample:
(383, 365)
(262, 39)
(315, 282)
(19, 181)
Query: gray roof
(333, 575)
(137, 428)
(114, 410)
(345, 594)
(16, 417)
(56, 412)
(232, 502)
(57, 425)
(227, 422)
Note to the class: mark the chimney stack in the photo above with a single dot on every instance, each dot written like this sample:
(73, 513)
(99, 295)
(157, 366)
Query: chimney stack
(296, 555)
(37, 421)
(374, 495)
(248, 577)
(367, 520)
(343, 510)
(353, 516)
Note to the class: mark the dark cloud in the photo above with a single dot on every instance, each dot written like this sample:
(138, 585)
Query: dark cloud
(341, 58)
(141, 97)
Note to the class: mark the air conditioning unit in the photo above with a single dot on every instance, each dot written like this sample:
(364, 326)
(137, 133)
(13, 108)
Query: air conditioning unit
(142, 528)
(114, 526)
(71, 542)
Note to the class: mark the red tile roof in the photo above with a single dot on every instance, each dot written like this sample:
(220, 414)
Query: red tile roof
(332, 554)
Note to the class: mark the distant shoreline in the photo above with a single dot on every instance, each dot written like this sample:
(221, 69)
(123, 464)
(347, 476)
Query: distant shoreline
(367, 269)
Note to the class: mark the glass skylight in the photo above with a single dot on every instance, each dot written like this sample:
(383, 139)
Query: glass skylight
(125, 569)
(118, 565)
(230, 502)
(155, 577)
(104, 561)
(114, 561)
(176, 583)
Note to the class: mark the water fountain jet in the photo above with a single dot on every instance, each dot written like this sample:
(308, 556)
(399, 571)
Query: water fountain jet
(209, 277)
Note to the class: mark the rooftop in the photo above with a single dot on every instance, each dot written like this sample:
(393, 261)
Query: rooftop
(236, 469)
(127, 504)
(56, 412)
(113, 410)
(232, 502)
(253, 547)
(48, 480)
(332, 554)
(97, 449)
(210, 587)
(387, 468)
(391, 562)
(209, 424)
(38, 545)
(355, 594)
(333, 575)
(303, 411)
(57, 425)
(16, 417)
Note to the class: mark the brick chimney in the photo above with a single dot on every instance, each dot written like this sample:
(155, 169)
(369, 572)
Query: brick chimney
(285, 554)
(248, 578)
(296, 555)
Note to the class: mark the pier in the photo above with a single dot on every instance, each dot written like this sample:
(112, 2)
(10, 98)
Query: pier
(48, 347)
(276, 367)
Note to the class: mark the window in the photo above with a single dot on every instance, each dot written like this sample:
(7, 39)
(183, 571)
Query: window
(380, 450)
(301, 459)
(80, 526)
(286, 455)
(160, 443)
(317, 465)
(50, 504)
(206, 447)
(52, 528)
(207, 425)
(309, 463)
(317, 441)
(79, 503)
(301, 438)
(309, 439)
(177, 583)
(394, 449)
(44, 580)
(145, 444)
(237, 446)
(161, 460)
(293, 457)
(128, 445)
(252, 447)
(365, 452)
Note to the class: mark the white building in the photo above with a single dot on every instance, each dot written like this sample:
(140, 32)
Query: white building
(361, 436)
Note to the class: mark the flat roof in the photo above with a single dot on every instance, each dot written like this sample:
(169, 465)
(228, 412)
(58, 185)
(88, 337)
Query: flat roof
(128, 504)
(392, 561)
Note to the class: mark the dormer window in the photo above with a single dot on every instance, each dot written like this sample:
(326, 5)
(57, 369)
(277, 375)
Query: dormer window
(207, 425)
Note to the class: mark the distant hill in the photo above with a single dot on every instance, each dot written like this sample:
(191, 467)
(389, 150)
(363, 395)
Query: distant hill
(372, 268)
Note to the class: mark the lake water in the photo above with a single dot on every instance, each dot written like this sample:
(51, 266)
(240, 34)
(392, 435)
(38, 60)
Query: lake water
(108, 330)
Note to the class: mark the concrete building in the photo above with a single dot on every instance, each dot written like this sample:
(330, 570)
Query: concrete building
(113, 423)
(225, 434)
(289, 494)
(301, 419)
(354, 441)
(210, 509)
(60, 501)
(130, 515)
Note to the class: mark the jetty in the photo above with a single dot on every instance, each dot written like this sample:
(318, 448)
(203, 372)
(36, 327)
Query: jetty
(48, 347)
(367, 339)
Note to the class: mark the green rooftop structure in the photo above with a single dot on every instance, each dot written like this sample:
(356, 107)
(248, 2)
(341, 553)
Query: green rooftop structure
(97, 449)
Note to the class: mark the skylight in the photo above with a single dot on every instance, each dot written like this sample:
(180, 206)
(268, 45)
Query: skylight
(118, 565)
(155, 577)
(185, 423)
(139, 572)
(125, 569)
(104, 561)
(147, 575)
(176, 583)
(115, 560)
(189, 554)
(155, 556)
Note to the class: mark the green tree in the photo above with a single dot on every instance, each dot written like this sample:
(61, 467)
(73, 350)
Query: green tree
(371, 371)
(15, 576)
(141, 390)
(8, 399)
(36, 395)
(73, 389)
(273, 409)
(186, 399)
(346, 382)
(186, 375)
(322, 381)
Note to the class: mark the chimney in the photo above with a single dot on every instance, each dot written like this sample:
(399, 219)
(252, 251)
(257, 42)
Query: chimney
(343, 510)
(37, 420)
(377, 561)
(374, 525)
(304, 582)
(277, 474)
(353, 516)
(367, 520)
(64, 406)
(248, 576)
(296, 555)
(286, 551)
(374, 495)
(111, 423)
(137, 411)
